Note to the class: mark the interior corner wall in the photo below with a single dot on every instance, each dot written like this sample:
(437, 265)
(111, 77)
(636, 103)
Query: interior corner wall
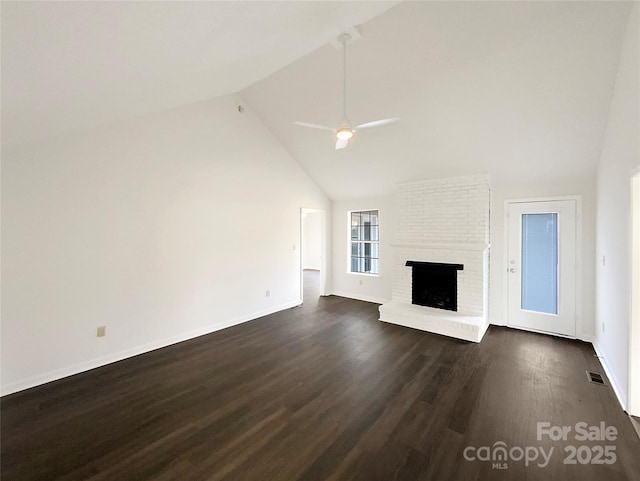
(362, 286)
(378, 289)
(160, 228)
(620, 157)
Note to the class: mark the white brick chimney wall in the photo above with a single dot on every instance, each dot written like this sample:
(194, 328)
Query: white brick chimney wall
(444, 220)
(444, 211)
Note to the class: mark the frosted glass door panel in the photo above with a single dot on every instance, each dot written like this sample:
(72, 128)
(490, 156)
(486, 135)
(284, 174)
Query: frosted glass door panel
(540, 263)
(541, 269)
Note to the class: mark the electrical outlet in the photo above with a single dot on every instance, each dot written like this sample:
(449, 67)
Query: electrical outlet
(603, 327)
(102, 331)
(268, 293)
(360, 281)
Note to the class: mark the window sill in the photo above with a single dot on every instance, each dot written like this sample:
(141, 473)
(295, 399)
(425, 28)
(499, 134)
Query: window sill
(364, 274)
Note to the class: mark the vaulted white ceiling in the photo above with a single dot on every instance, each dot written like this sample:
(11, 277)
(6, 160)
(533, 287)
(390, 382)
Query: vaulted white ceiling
(517, 89)
(75, 65)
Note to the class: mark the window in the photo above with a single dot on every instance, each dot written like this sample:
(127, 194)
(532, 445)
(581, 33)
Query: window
(364, 241)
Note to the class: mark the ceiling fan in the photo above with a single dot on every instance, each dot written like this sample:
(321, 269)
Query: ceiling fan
(345, 132)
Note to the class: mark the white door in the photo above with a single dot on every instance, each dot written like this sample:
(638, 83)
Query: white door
(542, 266)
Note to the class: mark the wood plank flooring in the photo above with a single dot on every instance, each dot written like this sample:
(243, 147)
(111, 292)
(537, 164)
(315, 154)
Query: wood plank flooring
(324, 392)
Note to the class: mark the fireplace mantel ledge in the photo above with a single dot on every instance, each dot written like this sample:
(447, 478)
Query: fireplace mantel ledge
(452, 247)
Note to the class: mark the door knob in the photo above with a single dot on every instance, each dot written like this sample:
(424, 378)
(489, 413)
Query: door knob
(512, 270)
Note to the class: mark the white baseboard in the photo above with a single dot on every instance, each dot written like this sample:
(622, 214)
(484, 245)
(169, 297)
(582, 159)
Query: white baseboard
(152, 346)
(360, 297)
(484, 327)
(615, 384)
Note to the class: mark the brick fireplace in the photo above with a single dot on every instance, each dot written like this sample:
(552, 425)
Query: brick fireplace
(442, 222)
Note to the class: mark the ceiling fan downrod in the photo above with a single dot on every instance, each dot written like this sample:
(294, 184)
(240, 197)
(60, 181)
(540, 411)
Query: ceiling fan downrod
(344, 39)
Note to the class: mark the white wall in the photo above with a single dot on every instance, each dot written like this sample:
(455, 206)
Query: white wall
(362, 286)
(311, 240)
(380, 289)
(160, 228)
(620, 156)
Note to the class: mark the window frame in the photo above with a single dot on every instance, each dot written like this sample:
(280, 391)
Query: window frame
(351, 241)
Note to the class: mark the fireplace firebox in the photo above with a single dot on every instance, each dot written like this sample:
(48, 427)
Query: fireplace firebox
(434, 284)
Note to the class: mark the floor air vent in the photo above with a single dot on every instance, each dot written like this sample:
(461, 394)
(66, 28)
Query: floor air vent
(595, 378)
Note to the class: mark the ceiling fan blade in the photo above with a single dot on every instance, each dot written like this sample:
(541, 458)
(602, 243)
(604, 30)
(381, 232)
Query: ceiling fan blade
(341, 143)
(314, 126)
(377, 123)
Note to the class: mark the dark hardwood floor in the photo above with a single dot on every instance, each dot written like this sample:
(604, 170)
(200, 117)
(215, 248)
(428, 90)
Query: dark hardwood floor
(321, 392)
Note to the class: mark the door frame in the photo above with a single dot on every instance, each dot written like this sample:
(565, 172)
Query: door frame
(323, 250)
(577, 272)
(633, 401)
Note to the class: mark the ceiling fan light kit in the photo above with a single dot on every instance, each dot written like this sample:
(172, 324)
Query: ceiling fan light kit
(344, 133)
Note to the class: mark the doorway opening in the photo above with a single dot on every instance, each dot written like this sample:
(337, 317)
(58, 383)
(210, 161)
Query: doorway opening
(313, 246)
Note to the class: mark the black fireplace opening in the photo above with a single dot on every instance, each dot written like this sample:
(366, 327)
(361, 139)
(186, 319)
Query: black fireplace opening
(434, 284)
